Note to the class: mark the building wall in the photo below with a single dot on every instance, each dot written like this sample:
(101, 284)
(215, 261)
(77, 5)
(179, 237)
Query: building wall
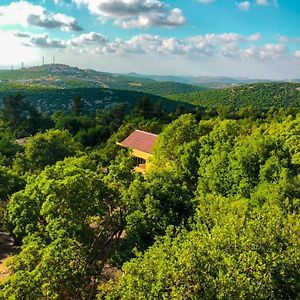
(141, 154)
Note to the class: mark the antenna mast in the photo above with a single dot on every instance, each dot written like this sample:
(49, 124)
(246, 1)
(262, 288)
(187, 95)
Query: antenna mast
(43, 60)
(53, 59)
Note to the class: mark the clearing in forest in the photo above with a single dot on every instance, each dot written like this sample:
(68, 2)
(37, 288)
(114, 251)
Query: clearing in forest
(7, 249)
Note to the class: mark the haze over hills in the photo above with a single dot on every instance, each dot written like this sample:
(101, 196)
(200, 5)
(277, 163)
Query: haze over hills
(214, 82)
(52, 87)
(64, 76)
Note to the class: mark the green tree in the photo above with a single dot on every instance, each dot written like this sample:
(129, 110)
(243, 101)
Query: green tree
(8, 149)
(22, 117)
(46, 149)
(180, 132)
(233, 252)
(77, 105)
(70, 219)
(9, 183)
(12, 110)
(152, 204)
(144, 107)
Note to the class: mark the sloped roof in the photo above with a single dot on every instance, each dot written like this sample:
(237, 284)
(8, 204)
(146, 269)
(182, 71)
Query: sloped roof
(140, 140)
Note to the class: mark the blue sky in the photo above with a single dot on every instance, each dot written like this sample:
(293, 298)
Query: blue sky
(255, 38)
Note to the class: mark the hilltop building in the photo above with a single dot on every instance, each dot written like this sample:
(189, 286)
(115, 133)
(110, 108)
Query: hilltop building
(141, 143)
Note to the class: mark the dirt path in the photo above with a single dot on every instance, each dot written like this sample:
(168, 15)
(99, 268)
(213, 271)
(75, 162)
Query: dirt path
(7, 249)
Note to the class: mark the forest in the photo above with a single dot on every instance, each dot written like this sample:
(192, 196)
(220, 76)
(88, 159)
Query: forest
(258, 95)
(215, 217)
(52, 98)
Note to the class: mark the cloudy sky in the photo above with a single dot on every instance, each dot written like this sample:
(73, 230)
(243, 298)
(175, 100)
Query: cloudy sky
(255, 38)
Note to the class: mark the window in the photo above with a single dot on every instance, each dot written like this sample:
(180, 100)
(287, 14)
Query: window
(140, 161)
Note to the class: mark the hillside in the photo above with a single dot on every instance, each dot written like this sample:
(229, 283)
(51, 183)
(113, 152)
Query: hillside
(208, 82)
(64, 76)
(51, 98)
(259, 95)
(52, 87)
(218, 208)
(164, 88)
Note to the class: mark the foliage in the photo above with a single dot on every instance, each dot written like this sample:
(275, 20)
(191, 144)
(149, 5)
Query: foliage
(216, 216)
(9, 183)
(8, 149)
(259, 96)
(243, 240)
(22, 117)
(51, 99)
(70, 218)
(77, 105)
(45, 149)
(63, 76)
(238, 253)
(164, 88)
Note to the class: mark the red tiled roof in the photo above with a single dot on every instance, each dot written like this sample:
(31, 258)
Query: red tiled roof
(140, 140)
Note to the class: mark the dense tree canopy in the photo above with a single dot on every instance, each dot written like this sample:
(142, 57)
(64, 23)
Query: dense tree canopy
(215, 217)
(45, 149)
(69, 219)
(233, 252)
(243, 241)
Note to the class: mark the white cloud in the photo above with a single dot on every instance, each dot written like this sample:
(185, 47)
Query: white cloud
(173, 18)
(26, 14)
(286, 39)
(245, 5)
(22, 35)
(41, 41)
(262, 2)
(215, 54)
(268, 51)
(136, 13)
(273, 51)
(297, 54)
(12, 50)
(225, 38)
(266, 2)
(254, 37)
(91, 39)
(206, 46)
(226, 45)
(88, 38)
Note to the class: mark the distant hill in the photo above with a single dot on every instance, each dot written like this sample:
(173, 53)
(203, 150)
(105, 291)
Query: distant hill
(259, 95)
(49, 99)
(64, 76)
(52, 87)
(208, 82)
(165, 88)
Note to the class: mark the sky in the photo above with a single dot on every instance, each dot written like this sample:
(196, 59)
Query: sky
(255, 38)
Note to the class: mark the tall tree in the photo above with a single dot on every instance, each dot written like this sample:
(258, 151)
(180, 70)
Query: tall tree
(12, 110)
(70, 219)
(233, 252)
(77, 105)
(45, 149)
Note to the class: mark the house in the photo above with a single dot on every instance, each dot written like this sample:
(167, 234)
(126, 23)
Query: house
(141, 143)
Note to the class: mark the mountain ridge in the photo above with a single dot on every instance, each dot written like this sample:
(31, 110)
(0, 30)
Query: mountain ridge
(211, 81)
(64, 76)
